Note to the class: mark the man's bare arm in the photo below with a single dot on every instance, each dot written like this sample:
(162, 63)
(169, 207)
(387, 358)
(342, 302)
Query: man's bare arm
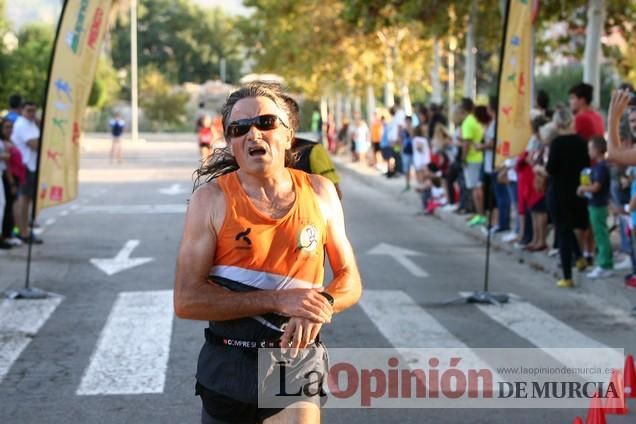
(195, 297)
(346, 286)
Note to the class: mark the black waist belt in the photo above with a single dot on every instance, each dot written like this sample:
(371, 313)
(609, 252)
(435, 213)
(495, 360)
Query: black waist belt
(214, 339)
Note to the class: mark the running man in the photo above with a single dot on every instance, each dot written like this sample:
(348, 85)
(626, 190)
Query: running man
(117, 125)
(251, 260)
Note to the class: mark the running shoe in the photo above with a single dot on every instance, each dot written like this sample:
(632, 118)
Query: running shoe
(507, 238)
(477, 220)
(565, 284)
(599, 272)
(581, 264)
(625, 263)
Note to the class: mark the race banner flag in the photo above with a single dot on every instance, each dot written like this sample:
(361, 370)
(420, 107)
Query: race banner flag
(77, 47)
(515, 80)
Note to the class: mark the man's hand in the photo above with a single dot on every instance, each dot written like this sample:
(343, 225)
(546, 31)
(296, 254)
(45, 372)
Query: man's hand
(304, 303)
(580, 191)
(299, 333)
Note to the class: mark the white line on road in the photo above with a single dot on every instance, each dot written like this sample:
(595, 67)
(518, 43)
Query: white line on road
(400, 254)
(122, 261)
(134, 209)
(408, 326)
(551, 335)
(20, 320)
(49, 221)
(131, 356)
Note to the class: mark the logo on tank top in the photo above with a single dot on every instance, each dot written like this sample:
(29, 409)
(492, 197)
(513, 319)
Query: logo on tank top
(243, 236)
(308, 239)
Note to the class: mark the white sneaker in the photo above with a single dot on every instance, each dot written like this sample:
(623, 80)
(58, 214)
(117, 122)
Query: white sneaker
(449, 208)
(509, 237)
(553, 252)
(14, 241)
(599, 272)
(625, 263)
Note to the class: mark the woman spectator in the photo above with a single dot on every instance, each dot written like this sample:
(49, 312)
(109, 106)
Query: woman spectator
(13, 175)
(488, 176)
(567, 158)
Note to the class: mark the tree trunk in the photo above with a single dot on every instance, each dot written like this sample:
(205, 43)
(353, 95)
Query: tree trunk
(470, 68)
(338, 114)
(347, 107)
(592, 60)
(370, 104)
(435, 82)
(389, 87)
(406, 99)
(357, 105)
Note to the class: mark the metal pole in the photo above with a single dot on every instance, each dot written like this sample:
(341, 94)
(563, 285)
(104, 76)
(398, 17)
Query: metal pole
(134, 94)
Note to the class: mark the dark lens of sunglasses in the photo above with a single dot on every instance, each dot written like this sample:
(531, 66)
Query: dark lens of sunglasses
(242, 126)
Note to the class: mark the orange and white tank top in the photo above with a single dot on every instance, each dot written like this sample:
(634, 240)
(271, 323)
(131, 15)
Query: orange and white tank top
(271, 254)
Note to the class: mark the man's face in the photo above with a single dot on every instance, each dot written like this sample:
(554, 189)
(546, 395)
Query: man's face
(29, 112)
(632, 122)
(575, 103)
(260, 151)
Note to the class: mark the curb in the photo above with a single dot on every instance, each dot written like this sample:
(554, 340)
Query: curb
(610, 289)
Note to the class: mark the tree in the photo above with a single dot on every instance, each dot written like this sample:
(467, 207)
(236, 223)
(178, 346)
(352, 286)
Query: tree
(26, 68)
(163, 105)
(181, 40)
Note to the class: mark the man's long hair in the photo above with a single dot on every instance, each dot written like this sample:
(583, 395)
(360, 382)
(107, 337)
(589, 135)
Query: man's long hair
(222, 161)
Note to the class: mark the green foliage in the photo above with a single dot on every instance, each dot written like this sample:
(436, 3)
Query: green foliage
(182, 40)
(558, 83)
(25, 69)
(162, 104)
(105, 87)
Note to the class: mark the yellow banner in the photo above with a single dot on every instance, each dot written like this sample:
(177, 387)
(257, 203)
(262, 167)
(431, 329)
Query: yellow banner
(78, 45)
(515, 82)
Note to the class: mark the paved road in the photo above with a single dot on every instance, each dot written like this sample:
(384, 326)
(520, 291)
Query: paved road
(107, 348)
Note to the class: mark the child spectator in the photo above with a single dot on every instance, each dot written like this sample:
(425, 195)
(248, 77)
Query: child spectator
(598, 201)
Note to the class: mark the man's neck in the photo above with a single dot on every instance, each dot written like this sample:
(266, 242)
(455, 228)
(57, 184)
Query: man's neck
(585, 108)
(270, 186)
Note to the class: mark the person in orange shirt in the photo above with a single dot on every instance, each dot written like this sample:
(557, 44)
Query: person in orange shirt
(251, 261)
(377, 127)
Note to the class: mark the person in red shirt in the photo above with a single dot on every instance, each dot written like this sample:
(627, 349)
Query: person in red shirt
(588, 122)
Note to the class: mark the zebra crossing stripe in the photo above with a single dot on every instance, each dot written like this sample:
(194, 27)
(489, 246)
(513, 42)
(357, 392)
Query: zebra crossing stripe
(407, 326)
(551, 335)
(20, 320)
(131, 356)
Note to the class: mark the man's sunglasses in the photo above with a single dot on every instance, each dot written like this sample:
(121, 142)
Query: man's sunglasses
(262, 122)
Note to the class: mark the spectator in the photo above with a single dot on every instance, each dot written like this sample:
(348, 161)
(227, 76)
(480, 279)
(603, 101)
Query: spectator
(331, 133)
(13, 176)
(421, 154)
(377, 127)
(386, 144)
(624, 155)
(472, 134)
(598, 192)
(26, 137)
(117, 126)
(437, 117)
(567, 158)
(485, 119)
(543, 104)
(361, 140)
(499, 188)
(406, 141)
(588, 123)
(537, 206)
(15, 108)
(5, 203)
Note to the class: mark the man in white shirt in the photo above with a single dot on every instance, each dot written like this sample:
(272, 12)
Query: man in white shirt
(26, 137)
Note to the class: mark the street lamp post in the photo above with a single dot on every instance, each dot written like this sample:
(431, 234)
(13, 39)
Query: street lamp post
(134, 94)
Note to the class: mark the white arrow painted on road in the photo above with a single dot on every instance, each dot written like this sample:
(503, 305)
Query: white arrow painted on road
(122, 261)
(401, 255)
(173, 190)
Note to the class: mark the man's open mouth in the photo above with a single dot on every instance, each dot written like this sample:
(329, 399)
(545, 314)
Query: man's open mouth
(257, 151)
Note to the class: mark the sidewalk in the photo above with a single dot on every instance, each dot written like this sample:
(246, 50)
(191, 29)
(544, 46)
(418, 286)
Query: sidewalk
(612, 289)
